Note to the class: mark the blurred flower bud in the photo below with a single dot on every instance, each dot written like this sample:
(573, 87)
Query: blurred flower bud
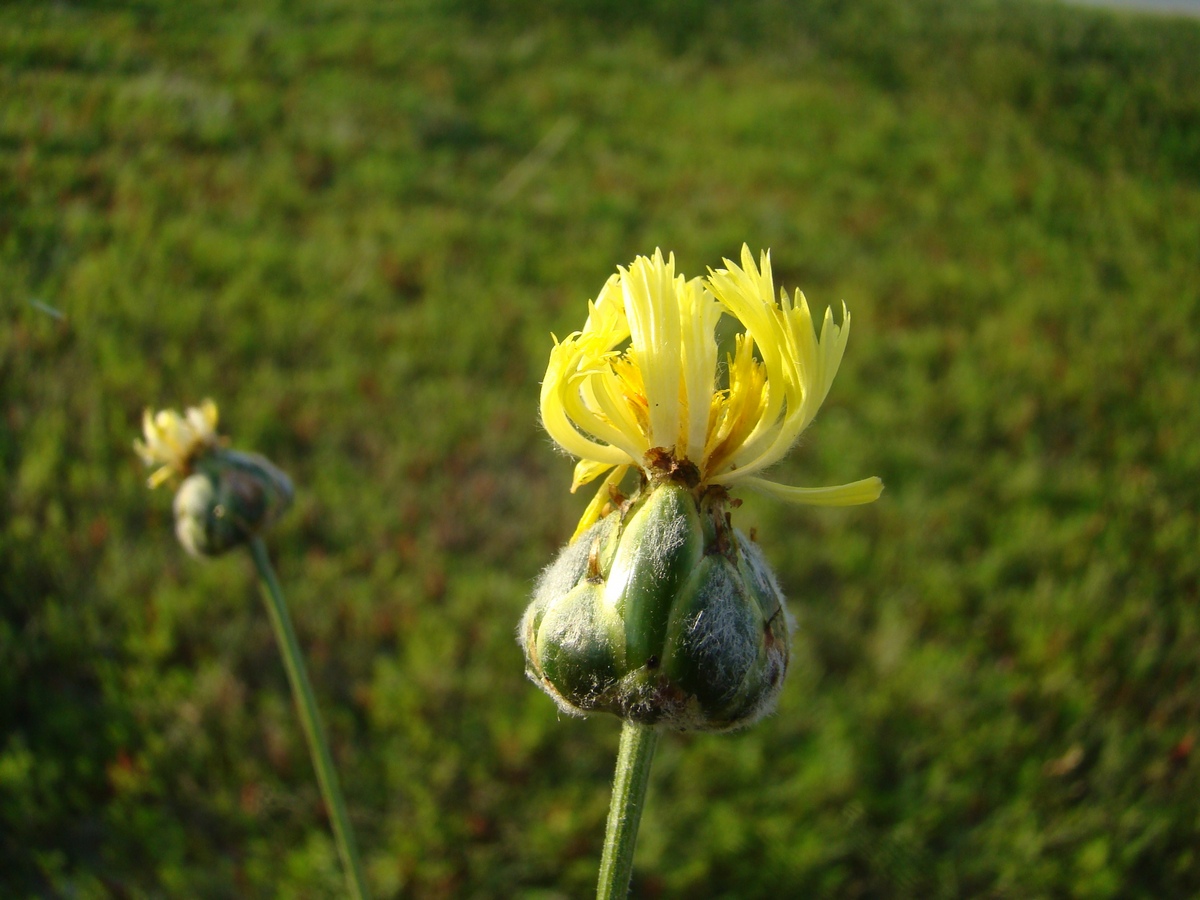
(661, 613)
(226, 497)
(230, 498)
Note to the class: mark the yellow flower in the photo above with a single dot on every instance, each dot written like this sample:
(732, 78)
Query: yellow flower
(174, 441)
(657, 402)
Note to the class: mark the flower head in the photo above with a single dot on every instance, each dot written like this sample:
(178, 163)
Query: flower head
(641, 383)
(659, 610)
(225, 497)
(173, 442)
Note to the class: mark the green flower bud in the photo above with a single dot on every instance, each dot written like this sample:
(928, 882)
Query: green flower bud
(661, 613)
(229, 498)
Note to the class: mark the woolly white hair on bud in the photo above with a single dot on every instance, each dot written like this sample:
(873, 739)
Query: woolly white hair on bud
(762, 576)
(570, 628)
(558, 578)
(192, 503)
(565, 614)
(720, 633)
(667, 534)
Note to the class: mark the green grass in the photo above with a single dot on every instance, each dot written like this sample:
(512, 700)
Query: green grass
(296, 210)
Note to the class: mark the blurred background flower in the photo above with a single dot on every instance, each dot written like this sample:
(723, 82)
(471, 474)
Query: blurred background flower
(225, 497)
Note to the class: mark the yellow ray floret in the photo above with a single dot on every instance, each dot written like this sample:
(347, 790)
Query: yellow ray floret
(173, 441)
(643, 374)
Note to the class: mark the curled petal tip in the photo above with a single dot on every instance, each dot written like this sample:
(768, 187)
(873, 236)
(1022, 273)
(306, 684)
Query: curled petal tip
(856, 493)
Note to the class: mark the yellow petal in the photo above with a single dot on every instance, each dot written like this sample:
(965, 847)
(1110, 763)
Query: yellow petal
(699, 313)
(652, 306)
(800, 366)
(555, 418)
(173, 441)
(159, 476)
(591, 515)
(587, 470)
(854, 494)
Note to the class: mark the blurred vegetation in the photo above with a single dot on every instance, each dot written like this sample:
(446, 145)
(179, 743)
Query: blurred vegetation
(334, 218)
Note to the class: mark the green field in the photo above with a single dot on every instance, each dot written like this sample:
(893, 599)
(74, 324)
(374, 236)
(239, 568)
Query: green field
(356, 224)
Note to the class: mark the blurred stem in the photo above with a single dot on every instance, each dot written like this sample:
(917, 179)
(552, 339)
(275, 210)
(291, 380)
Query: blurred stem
(634, 758)
(310, 718)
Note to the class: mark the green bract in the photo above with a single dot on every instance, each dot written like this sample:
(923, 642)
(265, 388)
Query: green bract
(230, 497)
(661, 613)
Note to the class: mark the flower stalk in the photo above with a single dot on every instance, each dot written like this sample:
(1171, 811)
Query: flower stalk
(634, 758)
(310, 720)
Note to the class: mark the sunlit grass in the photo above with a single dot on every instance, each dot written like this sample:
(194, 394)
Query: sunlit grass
(298, 210)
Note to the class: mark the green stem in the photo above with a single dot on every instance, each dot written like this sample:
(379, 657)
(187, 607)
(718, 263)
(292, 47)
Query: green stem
(310, 718)
(634, 757)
